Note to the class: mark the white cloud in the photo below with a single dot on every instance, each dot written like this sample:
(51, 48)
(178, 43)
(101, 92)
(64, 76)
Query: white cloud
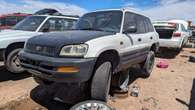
(168, 2)
(129, 4)
(30, 6)
(174, 9)
(180, 10)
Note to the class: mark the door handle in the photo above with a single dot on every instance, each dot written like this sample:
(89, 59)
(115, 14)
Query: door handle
(151, 38)
(139, 39)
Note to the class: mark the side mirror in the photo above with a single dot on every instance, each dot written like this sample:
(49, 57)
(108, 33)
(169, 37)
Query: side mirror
(130, 29)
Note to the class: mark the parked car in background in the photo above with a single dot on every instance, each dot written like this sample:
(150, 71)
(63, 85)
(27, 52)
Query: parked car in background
(171, 34)
(47, 11)
(193, 32)
(104, 46)
(192, 38)
(12, 41)
(186, 26)
(9, 20)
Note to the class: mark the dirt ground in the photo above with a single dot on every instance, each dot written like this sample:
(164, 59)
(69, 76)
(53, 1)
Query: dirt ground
(167, 89)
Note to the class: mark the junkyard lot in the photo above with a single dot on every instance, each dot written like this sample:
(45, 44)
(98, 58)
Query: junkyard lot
(167, 89)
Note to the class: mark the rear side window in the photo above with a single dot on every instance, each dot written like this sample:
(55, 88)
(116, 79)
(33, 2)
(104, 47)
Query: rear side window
(140, 24)
(146, 26)
(183, 28)
(150, 26)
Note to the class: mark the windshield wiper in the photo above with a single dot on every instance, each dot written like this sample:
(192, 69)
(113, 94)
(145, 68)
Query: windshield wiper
(94, 29)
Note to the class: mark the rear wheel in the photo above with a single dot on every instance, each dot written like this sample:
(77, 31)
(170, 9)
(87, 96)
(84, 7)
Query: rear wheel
(100, 85)
(12, 62)
(148, 65)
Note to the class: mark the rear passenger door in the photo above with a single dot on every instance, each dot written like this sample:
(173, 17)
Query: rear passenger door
(150, 34)
(137, 51)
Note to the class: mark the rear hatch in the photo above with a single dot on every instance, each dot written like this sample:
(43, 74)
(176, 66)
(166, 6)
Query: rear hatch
(165, 29)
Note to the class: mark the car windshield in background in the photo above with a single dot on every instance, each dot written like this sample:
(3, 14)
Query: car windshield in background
(31, 23)
(2, 21)
(101, 21)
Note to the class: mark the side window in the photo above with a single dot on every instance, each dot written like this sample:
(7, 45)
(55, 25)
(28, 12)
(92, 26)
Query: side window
(58, 24)
(150, 26)
(129, 21)
(146, 25)
(140, 24)
(53, 24)
(69, 24)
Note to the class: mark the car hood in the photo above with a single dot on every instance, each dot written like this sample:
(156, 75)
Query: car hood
(59, 39)
(15, 33)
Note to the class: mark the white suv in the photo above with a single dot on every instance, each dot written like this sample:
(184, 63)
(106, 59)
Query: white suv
(171, 34)
(105, 44)
(12, 41)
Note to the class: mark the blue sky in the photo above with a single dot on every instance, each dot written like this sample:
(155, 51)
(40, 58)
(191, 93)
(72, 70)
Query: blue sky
(155, 9)
(102, 4)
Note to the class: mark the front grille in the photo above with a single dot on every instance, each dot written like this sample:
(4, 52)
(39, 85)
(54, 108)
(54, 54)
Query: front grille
(40, 49)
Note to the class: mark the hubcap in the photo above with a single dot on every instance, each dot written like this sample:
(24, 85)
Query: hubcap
(15, 63)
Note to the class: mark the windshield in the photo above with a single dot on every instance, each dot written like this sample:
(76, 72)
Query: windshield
(101, 21)
(30, 23)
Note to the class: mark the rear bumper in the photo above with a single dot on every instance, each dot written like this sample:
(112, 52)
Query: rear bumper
(170, 43)
(45, 67)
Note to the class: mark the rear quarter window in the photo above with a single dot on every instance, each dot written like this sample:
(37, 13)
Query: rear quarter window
(140, 24)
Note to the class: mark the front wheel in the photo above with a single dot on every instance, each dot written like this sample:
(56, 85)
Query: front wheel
(148, 64)
(12, 62)
(100, 85)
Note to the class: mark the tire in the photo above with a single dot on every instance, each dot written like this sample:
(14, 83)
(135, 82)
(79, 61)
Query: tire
(41, 81)
(148, 65)
(12, 62)
(100, 85)
(180, 48)
(120, 81)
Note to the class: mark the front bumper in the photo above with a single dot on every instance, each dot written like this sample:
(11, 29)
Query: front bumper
(45, 67)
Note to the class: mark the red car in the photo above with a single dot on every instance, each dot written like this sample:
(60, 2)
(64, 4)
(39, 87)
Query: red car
(9, 20)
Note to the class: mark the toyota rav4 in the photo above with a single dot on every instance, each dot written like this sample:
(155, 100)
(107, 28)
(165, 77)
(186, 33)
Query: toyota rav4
(98, 53)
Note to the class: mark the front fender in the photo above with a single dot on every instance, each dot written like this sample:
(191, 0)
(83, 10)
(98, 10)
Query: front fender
(5, 42)
(99, 45)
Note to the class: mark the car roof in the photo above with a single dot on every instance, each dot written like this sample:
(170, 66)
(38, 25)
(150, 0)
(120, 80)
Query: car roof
(164, 23)
(122, 9)
(58, 16)
(185, 23)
